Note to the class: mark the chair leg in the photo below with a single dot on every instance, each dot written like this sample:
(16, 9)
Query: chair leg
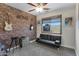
(20, 43)
(16, 42)
(10, 44)
(58, 51)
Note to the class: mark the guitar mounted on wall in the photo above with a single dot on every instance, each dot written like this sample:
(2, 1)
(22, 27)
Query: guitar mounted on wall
(8, 25)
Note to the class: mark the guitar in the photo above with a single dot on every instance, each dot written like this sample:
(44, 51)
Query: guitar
(8, 26)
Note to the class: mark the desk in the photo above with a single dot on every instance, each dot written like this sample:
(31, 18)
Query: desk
(16, 41)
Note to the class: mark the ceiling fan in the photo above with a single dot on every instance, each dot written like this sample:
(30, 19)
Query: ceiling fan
(39, 7)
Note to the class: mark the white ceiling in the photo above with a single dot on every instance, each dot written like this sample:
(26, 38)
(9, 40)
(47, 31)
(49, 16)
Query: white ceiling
(53, 6)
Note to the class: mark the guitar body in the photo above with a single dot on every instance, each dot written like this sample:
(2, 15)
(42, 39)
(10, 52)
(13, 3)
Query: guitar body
(8, 27)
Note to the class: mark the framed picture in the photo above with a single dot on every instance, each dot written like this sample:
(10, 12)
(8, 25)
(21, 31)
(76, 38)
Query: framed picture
(68, 21)
(52, 24)
(46, 27)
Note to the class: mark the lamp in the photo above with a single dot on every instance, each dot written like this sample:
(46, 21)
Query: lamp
(39, 9)
(31, 27)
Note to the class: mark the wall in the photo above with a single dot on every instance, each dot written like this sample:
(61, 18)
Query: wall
(77, 29)
(20, 22)
(68, 33)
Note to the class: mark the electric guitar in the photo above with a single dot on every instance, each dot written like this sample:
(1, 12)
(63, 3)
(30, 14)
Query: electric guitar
(8, 27)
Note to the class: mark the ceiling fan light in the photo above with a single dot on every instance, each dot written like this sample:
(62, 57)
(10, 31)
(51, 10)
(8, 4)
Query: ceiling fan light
(39, 9)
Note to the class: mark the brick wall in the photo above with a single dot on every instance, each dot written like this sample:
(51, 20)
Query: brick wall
(20, 22)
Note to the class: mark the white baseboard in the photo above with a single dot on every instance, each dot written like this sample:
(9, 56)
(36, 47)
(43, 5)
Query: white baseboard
(68, 47)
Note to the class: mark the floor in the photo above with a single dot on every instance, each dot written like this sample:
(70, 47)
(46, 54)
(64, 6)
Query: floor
(37, 49)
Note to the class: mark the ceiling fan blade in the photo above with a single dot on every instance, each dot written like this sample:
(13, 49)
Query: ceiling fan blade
(38, 4)
(32, 4)
(31, 10)
(46, 8)
(45, 4)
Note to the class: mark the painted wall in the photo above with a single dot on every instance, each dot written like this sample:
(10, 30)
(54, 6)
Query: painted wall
(77, 29)
(68, 33)
(20, 20)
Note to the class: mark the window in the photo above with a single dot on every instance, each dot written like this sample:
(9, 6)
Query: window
(52, 24)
